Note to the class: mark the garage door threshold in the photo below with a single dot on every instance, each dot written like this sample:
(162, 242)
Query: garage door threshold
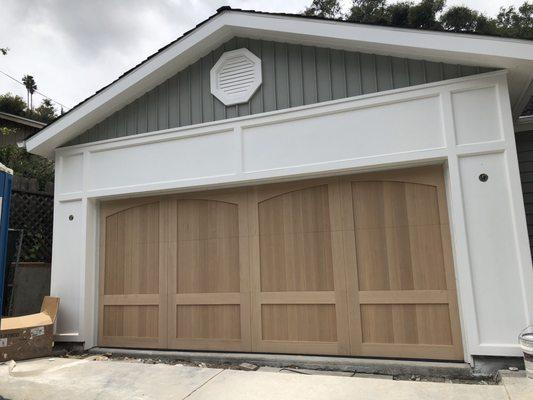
(405, 368)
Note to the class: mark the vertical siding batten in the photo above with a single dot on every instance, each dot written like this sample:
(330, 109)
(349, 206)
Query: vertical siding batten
(293, 75)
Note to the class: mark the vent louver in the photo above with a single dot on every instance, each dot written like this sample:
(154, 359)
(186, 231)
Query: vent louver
(236, 76)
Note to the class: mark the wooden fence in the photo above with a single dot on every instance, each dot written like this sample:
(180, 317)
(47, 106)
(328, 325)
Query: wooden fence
(32, 211)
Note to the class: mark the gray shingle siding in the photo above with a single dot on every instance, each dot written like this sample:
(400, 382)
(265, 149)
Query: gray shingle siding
(524, 147)
(293, 75)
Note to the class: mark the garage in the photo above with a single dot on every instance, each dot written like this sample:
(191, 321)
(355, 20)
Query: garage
(352, 265)
(283, 184)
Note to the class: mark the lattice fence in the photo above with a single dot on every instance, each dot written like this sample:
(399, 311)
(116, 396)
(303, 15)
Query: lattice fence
(32, 210)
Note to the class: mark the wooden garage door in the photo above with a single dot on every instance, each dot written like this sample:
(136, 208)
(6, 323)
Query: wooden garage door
(298, 281)
(356, 265)
(207, 255)
(132, 275)
(400, 277)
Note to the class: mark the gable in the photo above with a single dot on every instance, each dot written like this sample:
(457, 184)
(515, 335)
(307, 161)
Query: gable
(293, 75)
(513, 56)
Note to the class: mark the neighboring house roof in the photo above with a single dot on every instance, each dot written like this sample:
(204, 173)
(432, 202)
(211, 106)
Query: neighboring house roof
(22, 128)
(528, 110)
(3, 168)
(512, 54)
(22, 120)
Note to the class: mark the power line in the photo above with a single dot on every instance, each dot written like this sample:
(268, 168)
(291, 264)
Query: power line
(42, 94)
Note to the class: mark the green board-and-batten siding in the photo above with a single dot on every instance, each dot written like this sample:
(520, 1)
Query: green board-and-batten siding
(293, 75)
(524, 147)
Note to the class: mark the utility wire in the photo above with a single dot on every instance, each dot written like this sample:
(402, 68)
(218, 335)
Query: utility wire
(42, 94)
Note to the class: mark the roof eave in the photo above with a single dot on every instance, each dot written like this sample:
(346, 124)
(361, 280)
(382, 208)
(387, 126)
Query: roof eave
(22, 120)
(514, 55)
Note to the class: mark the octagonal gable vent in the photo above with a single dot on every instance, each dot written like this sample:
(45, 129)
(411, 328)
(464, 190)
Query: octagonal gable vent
(236, 76)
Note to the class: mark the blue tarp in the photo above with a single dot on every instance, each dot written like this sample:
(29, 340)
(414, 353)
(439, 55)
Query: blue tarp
(6, 180)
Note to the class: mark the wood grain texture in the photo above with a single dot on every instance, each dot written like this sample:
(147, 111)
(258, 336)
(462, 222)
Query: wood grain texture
(406, 323)
(131, 296)
(399, 245)
(132, 257)
(298, 290)
(208, 247)
(354, 265)
(131, 321)
(295, 241)
(299, 322)
(208, 272)
(402, 257)
(221, 321)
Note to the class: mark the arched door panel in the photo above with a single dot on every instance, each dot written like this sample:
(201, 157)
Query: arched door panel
(298, 289)
(400, 275)
(132, 278)
(207, 253)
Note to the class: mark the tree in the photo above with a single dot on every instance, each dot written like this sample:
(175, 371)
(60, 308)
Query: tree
(45, 112)
(432, 14)
(370, 12)
(460, 19)
(31, 87)
(486, 25)
(324, 9)
(513, 23)
(399, 13)
(27, 165)
(424, 14)
(12, 104)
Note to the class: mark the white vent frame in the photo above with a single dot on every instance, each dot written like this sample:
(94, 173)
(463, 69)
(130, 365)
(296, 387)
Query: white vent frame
(244, 81)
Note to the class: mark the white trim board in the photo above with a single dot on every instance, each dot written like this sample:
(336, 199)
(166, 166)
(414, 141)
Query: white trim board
(514, 55)
(366, 100)
(524, 124)
(465, 125)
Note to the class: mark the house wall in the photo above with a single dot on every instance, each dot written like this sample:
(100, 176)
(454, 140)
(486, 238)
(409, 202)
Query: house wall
(464, 124)
(524, 147)
(293, 75)
(22, 132)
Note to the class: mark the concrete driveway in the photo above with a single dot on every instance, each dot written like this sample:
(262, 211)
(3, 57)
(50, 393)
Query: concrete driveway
(61, 378)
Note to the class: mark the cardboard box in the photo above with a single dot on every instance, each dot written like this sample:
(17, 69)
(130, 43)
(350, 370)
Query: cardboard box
(29, 336)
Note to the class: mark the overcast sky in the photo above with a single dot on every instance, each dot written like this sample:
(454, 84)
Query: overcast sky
(74, 47)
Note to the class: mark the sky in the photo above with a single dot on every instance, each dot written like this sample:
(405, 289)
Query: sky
(74, 47)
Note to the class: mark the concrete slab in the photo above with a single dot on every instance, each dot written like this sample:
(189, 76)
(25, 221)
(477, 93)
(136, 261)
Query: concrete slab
(516, 384)
(305, 371)
(452, 370)
(89, 379)
(321, 372)
(237, 385)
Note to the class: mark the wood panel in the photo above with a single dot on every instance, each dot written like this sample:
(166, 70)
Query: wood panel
(398, 236)
(354, 265)
(299, 322)
(295, 241)
(212, 321)
(207, 254)
(132, 277)
(208, 247)
(298, 292)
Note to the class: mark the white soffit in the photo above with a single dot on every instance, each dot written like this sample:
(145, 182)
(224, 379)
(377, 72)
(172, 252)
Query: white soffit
(236, 76)
(514, 55)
